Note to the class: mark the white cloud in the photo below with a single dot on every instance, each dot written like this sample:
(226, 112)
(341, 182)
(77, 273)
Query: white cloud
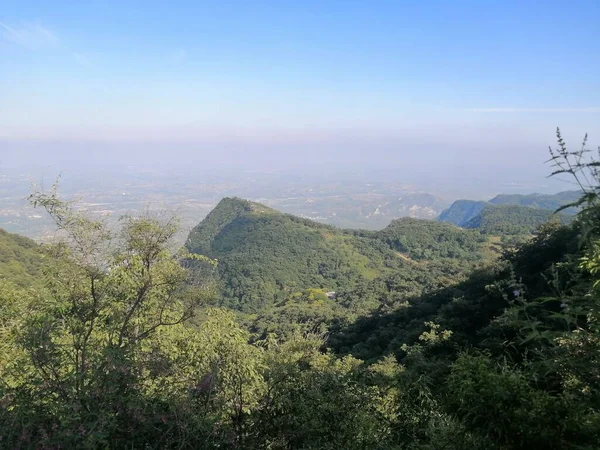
(31, 36)
(591, 109)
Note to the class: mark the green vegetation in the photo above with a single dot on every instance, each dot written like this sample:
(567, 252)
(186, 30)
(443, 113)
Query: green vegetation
(308, 312)
(505, 220)
(108, 354)
(465, 212)
(465, 307)
(20, 260)
(116, 345)
(513, 220)
(461, 211)
(551, 202)
(511, 352)
(428, 240)
(265, 256)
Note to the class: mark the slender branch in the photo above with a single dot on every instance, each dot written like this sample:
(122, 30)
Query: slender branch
(140, 297)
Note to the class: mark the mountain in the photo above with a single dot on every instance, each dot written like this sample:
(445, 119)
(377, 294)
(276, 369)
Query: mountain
(20, 259)
(424, 345)
(468, 306)
(512, 219)
(264, 255)
(461, 212)
(428, 240)
(543, 201)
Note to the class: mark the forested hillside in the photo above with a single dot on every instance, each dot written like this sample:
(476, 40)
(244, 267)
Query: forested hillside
(468, 306)
(543, 201)
(427, 343)
(461, 212)
(265, 256)
(513, 219)
(429, 240)
(20, 260)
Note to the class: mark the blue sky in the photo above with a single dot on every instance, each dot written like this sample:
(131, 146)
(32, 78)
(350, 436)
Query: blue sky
(280, 82)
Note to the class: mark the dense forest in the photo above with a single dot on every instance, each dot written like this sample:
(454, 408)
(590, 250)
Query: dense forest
(463, 212)
(274, 332)
(543, 201)
(271, 265)
(505, 220)
(264, 255)
(20, 260)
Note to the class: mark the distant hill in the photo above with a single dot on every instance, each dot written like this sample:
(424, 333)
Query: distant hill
(265, 255)
(551, 202)
(462, 212)
(20, 259)
(513, 219)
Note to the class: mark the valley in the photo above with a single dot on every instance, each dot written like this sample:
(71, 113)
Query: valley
(296, 318)
(299, 225)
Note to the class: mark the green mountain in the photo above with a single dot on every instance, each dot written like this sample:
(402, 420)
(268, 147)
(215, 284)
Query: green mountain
(463, 213)
(20, 259)
(429, 240)
(425, 344)
(264, 256)
(470, 306)
(543, 201)
(512, 219)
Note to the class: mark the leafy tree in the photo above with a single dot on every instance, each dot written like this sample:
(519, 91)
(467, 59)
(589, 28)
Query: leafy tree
(115, 344)
(315, 400)
(84, 348)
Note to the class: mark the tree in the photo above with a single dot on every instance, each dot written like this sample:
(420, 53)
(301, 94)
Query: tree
(542, 390)
(86, 353)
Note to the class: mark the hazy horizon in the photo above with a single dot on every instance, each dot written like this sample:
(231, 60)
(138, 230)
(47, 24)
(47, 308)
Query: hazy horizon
(444, 94)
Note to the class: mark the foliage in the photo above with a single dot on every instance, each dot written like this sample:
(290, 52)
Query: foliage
(308, 312)
(520, 367)
(461, 211)
(428, 240)
(20, 260)
(548, 201)
(513, 220)
(115, 344)
(265, 256)
(315, 400)
(82, 357)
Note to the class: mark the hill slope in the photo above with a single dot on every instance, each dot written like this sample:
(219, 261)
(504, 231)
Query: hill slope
(512, 219)
(265, 255)
(20, 259)
(542, 201)
(461, 211)
(464, 213)
(429, 240)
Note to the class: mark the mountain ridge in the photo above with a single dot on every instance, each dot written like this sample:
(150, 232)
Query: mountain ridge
(462, 211)
(264, 255)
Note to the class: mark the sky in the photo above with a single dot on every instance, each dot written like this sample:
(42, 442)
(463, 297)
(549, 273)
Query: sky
(419, 87)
